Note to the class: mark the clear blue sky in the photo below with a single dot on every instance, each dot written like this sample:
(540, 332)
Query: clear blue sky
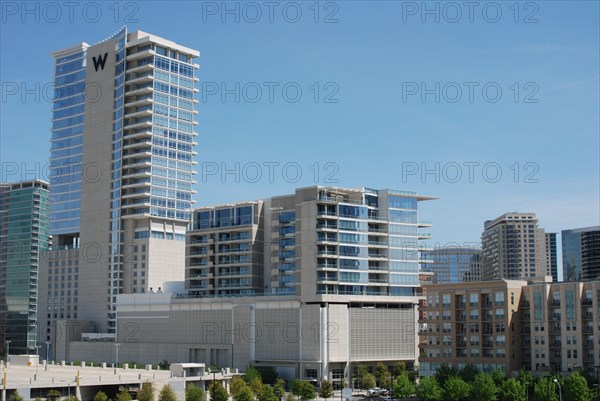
(374, 56)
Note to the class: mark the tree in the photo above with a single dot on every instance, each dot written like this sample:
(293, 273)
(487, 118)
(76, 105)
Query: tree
(279, 389)
(468, 373)
(236, 385)
(251, 374)
(296, 387)
(123, 395)
(164, 365)
(256, 385)
(268, 375)
(307, 391)
(525, 377)
(266, 393)
(245, 394)
(167, 394)
(484, 388)
(456, 389)
(498, 376)
(428, 389)
(218, 392)
(399, 368)
(512, 390)
(326, 389)
(545, 390)
(290, 397)
(403, 387)
(146, 393)
(367, 381)
(575, 388)
(193, 393)
(443, 373)
(53, 394)
(361, 371)
(382, 373)
(100, 396)
(15, 397)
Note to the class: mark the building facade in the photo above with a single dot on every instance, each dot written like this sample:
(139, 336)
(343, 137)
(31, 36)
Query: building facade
(332, 280)
(224, 253)
(514, 248)
(573, 243)
(122, 166)
(538, 326)
(551, 257)
(454, 264)
(471, 323)
(23, 240)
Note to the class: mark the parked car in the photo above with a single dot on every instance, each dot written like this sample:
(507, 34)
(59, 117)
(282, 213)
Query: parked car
(374, 391)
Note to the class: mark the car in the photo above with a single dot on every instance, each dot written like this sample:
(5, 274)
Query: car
(374, 391)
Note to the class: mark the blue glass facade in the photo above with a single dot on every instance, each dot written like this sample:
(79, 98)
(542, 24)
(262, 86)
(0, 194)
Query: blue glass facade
(67, 142)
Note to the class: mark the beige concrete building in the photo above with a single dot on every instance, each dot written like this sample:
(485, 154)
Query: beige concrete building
(471, 323)
(511, 324)
(121, 175)
(514, 248)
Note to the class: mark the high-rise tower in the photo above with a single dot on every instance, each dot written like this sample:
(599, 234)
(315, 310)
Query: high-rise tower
(122, 166)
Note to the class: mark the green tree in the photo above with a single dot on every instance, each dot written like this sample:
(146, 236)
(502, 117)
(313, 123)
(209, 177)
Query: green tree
(218, 392)
(545, 390)
(193, 393)
(236, 385)
(382, 373)
(251, 374)
(279, 389)
(146, 393)
(525, 377)
(164, 365)
(428, 389)
(167, 394)
(123, 395)
(268, 375)
(70, 398)
(512, 390)
(296, 387)
(498, 376)
(403, 387)
(244, 394)
(443, 373)
(266, 393)
(290, 397)
(307, 391)
(53, 394)
(361, 371)
(256, 385)
(15, 396)
(399, 368)
(100, 396)
(367, 381)
(456, 389)
(326, 389)
(468, 373)
(484, 388)
(575, 388)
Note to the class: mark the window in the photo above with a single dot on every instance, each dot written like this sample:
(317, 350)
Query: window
(473, 299)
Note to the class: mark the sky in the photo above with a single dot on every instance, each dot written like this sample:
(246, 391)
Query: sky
(489, 106)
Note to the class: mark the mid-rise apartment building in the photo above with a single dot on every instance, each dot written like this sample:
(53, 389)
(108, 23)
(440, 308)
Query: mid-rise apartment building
(512, 324)
(23, 240)
(338, 270)
(514, 248)
(122, 165)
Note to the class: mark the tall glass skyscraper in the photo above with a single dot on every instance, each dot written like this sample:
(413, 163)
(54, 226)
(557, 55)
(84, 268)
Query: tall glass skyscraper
(122, 166)
(581, 253)
(23, 237)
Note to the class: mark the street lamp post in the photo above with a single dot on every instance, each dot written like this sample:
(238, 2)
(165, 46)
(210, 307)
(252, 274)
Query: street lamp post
(559, 390)
(117, 354)
(7, 342)
(47, 352)
(37, 359)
